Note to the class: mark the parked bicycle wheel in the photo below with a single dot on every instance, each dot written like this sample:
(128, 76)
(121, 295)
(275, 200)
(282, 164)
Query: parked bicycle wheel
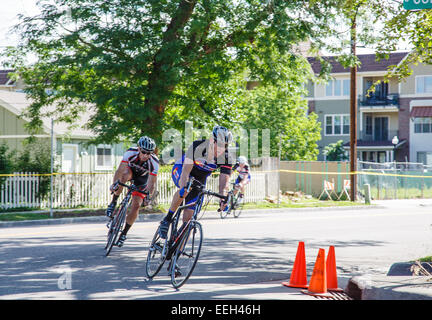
(186, 255)
(116, 226)
(156, 255)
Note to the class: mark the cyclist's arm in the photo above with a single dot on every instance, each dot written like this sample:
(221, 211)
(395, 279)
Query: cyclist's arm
(151, 183)
(120, 171)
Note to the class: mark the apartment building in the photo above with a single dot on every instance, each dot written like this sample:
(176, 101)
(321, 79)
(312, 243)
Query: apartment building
(393, 124)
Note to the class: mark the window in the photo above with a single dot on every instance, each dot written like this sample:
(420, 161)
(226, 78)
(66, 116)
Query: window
(424, 84)
(346, 125)
(329, 125)
(338, 88)
(424, 157)
(369, 125)
(104, 158)
(423, 125)
(338, 124)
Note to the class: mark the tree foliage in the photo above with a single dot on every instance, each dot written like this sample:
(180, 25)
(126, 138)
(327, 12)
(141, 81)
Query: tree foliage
(133, 62)
(335, 152)
(281, 108)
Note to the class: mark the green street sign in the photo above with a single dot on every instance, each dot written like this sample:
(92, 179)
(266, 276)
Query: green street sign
(417, 4)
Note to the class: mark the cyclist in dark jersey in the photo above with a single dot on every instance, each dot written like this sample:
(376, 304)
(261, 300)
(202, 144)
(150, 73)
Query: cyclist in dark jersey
(201, 159)
(140, 165)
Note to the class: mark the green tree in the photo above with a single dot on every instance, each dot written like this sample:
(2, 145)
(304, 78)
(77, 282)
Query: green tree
(6, 162)
(280, 106)
(36, 158)
(335, 152)
(129, 61)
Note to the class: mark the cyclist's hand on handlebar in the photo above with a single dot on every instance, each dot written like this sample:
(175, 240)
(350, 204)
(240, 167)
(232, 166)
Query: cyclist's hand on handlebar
(114, 187)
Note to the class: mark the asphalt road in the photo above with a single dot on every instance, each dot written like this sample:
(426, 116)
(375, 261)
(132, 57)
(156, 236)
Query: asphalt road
(243, 258)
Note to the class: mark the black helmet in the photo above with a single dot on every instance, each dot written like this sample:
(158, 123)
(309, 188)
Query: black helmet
(222, 134)
(147, 143)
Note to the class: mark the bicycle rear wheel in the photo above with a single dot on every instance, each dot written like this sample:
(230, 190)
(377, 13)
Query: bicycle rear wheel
(116, 226)
(156, 255)
(186, 254)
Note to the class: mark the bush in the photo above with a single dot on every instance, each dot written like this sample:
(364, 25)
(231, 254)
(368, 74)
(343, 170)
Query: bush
(335, 152)
(6, 163)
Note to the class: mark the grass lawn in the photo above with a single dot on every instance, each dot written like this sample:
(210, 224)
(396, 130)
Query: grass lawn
(304, 203)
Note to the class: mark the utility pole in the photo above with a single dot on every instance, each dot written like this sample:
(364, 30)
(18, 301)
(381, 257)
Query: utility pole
(52, 168)
(353, 114)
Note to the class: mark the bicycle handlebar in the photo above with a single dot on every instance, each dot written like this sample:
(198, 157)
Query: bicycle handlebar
(132, 187)
(197, 183)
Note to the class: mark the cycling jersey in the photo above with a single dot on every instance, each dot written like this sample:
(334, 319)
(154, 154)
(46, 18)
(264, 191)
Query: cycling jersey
(243, 172)
(202, 168)
(140, 169)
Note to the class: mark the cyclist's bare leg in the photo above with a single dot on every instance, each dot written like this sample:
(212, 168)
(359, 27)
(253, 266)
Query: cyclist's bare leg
(133, 213)
(187, 214)
(177, 200)
(236, 188)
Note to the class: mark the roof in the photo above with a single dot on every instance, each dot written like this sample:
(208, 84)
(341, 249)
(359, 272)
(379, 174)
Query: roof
(4, 79)
(16, 102)
(368, 63)
(417, 112)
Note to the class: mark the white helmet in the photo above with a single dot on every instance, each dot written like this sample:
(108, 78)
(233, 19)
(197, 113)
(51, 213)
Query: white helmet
(242, 159)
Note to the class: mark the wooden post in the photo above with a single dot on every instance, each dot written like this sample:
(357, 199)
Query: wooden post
(353, 115)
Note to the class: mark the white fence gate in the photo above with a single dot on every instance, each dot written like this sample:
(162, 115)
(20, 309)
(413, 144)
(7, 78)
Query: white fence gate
(92, 190)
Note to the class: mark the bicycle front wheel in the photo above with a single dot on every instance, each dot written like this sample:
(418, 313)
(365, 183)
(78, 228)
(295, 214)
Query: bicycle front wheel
(186, 254)
(116, 226)
(156, 255)
(238, 208)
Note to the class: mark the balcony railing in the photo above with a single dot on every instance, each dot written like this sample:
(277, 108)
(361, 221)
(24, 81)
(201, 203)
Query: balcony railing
(383, 136)
(378, 100)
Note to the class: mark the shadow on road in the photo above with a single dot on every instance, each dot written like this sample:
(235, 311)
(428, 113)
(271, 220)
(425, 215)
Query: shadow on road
(69, 268)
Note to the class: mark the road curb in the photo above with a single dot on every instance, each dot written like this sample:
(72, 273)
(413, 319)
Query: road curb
(390, 288)
(158, 216)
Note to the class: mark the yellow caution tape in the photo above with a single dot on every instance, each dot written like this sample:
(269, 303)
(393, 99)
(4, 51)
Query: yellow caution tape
(266, 171)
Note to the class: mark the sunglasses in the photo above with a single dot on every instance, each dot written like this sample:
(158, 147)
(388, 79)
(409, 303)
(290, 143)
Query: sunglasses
(145, 152)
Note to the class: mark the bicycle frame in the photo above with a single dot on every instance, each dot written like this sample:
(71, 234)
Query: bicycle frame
(120, 216)
(175, 234)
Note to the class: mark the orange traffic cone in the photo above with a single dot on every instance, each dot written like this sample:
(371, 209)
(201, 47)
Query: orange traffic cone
(332, 283)
(298, 276)
(318, 282)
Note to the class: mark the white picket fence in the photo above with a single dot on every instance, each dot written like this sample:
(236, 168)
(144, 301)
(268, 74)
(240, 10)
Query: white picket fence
(92, 190)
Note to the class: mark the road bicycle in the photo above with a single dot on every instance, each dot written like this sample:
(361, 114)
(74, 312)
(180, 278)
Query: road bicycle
(183, 246)
(119, 216)
(233, 204)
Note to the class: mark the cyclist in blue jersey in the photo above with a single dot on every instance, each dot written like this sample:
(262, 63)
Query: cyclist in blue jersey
(201, 159)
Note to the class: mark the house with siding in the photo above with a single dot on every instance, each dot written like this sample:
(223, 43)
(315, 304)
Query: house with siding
(72, 150)
(394, 123)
